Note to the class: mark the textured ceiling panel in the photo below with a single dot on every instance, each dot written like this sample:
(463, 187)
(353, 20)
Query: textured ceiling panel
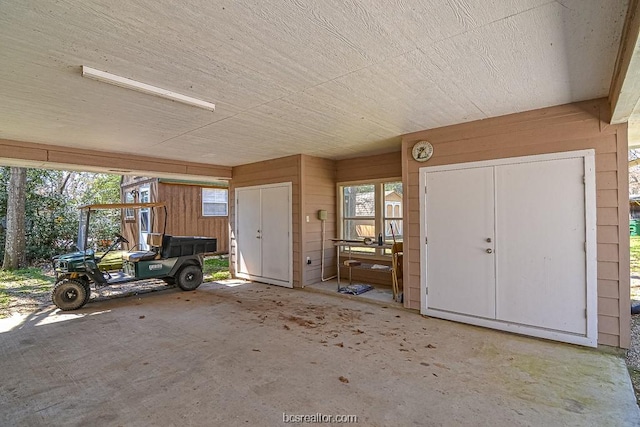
(333, 78)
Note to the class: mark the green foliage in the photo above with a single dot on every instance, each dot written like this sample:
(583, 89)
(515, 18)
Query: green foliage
(51, 219)
(216, 268)
(52, 204)
(635, 254)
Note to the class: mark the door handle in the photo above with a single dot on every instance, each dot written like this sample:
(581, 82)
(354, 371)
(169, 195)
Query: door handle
(489, 251)
(258, 237)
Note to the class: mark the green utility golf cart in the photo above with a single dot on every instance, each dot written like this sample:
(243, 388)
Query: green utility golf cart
(174, 259)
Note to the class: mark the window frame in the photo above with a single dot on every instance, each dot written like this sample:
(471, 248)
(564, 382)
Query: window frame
(379, 218)
(145, 197)
(129, 213)
(202, 202)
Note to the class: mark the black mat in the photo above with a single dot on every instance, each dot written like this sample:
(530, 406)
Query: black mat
(355, 289)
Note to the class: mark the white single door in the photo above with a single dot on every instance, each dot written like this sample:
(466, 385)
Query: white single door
(541, 268)
(144, 219)
(459, 228)
(248, 232)
(276, 224)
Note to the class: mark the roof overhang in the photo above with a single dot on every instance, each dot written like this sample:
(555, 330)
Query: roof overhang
(107, 206)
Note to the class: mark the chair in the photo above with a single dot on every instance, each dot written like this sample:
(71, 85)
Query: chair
(396, 271)
(350, 263)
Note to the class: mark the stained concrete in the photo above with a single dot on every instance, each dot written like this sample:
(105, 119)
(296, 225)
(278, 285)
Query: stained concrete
(246, 354)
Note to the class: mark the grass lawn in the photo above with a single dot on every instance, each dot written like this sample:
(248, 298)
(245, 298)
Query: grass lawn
(635, 266)
(635, 254)
(216, 268)
(28, 288)
(23, 286)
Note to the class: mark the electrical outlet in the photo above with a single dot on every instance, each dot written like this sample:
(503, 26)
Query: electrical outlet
(308, 260)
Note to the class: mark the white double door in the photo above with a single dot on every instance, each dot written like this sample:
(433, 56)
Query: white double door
(511, 245)
(263, 234)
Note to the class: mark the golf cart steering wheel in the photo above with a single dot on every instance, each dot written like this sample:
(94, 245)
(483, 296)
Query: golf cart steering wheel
(121, 238)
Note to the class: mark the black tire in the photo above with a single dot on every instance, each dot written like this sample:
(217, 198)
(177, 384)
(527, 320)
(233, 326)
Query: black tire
(635, 307)
(69, 294)
(189, 277)
(87, 289)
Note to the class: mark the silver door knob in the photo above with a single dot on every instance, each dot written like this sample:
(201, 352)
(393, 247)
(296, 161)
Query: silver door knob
(488, 239)
(489, 251)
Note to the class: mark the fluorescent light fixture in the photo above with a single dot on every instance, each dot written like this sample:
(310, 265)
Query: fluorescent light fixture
(126, 83)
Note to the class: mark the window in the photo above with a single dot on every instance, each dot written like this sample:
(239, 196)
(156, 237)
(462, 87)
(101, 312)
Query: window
(215, 202)
(370, 209)
(129, 213)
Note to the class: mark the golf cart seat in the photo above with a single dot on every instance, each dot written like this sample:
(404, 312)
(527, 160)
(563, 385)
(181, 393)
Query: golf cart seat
(139, 256)
(154, 240)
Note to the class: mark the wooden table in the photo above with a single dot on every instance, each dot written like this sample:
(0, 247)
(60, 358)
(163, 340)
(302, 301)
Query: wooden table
(339, 243)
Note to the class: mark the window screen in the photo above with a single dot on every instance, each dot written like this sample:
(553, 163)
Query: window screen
(215, 202)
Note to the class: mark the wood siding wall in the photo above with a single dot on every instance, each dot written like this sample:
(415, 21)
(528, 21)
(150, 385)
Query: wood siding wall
(184, 208)
(285, 169)
(380, 166)
(184, 205)
(318, 182)
(556, 129)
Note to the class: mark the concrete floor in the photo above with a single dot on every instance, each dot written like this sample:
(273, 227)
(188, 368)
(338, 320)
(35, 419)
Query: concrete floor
(379, 294)
(245, 354)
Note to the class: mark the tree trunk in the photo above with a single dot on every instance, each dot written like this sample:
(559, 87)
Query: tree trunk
(15, 243)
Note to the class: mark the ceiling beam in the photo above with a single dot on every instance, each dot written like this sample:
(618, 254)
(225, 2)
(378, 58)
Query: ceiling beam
(27, 154)
(624, 92)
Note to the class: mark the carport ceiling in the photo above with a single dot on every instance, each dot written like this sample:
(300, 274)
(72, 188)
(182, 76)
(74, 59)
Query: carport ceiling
(329, 78)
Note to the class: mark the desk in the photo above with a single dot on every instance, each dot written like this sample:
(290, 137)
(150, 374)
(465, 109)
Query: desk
(338, 243)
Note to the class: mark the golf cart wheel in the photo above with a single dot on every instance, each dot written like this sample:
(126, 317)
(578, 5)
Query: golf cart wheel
(87, 288)
(69, 294)
(189, 278)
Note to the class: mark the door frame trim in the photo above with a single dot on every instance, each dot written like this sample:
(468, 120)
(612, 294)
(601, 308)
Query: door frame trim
(591, 337)
(289, 283)
(142, 243)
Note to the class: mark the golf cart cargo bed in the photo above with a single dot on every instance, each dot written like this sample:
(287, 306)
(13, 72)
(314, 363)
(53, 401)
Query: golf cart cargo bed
(177, 246)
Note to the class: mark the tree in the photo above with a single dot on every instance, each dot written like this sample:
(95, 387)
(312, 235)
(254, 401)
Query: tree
(634, 172)
(51, 199)
(15, 239)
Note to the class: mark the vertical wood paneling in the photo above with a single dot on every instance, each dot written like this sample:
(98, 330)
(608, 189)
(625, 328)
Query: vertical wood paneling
(556, 129)
(184, 205)
(284, 169)
(184, 209)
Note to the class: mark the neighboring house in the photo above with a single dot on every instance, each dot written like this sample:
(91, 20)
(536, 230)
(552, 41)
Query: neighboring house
(193, 209)
(364, 205)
